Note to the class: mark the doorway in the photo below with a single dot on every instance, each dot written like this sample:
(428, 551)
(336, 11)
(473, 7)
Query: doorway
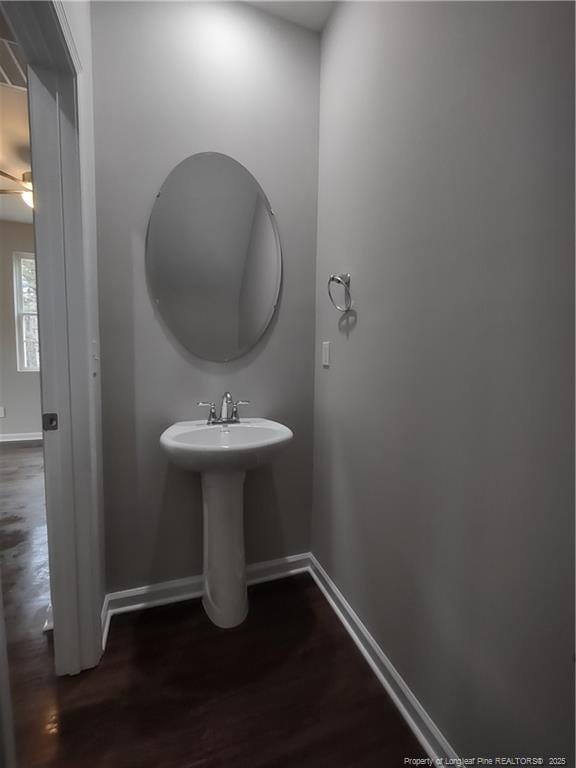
(24, 559)
(23, 532)
(53, 39)
(64, 247)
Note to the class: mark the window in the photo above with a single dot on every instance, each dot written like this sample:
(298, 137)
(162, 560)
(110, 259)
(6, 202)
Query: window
(27, 345)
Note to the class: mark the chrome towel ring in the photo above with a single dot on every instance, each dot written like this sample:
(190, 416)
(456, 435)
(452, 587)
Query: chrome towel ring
(344, 281)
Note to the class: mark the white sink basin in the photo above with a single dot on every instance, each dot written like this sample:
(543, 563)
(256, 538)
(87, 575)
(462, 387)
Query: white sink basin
(223, 453)
(201, 447)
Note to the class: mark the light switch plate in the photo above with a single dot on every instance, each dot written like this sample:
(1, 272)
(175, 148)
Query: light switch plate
(2, 412)
(326, 354)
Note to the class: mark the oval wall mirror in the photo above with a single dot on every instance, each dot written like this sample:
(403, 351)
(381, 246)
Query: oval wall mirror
(213, 257)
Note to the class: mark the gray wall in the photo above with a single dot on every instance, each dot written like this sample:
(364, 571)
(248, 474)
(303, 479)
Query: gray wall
(173, 79)
(444, 428)
(19, 391)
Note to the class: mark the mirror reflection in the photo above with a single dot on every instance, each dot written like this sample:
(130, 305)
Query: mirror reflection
(213, 257)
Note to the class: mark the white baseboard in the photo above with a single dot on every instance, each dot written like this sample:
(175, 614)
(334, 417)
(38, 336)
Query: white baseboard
(18, 437)
(419, 721)
(168, 592)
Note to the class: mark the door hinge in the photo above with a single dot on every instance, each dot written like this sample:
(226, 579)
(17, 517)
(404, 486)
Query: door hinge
(49, 422)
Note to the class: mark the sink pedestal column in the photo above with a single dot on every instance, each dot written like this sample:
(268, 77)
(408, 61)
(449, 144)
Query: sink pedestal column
(225, 600)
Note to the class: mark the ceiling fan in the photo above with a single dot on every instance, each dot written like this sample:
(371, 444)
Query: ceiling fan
(24, 188)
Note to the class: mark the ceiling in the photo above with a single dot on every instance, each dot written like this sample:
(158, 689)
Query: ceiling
(13, 208)
(312, 15)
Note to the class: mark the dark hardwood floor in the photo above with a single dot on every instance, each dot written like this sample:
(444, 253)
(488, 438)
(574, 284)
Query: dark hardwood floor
(286, 689)
(23, 545)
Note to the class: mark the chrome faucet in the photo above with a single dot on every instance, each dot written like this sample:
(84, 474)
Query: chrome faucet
(228, 410)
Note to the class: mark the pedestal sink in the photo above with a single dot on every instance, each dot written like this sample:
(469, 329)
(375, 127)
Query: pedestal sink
(223, 453)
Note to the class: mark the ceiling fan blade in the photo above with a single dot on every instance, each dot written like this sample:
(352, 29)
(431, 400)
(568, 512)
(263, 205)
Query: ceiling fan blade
(12, 191)
(9, 176)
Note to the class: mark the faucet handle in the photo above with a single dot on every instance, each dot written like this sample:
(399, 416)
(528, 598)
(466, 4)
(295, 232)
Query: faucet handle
(235, 416)
(212, 414)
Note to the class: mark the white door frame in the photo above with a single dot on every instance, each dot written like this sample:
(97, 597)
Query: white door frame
(69, 389)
